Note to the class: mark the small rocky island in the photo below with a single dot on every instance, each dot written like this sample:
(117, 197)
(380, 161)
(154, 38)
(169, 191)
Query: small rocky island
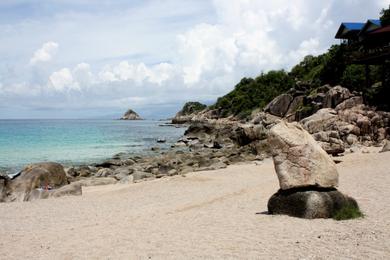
(130, 115)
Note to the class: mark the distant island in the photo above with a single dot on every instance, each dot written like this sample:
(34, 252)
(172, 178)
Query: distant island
(131, 115)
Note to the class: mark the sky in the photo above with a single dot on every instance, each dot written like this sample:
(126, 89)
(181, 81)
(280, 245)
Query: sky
(97, 58)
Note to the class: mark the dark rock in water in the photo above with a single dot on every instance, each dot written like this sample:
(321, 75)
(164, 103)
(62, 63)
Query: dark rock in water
(161, 140)
(309, 202)
(131, 115)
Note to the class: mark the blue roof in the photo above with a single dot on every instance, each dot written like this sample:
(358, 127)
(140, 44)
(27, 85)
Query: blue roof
(353, 26)
(375, 21)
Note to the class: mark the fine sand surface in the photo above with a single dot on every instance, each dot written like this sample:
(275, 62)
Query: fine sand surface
(215, 214)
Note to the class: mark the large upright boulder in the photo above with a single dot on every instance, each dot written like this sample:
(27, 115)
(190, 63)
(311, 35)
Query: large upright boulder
(299, 160)
(47, 175)
(307, 176)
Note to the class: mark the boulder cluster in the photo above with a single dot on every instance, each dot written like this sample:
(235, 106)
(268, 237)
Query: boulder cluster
(308, 177)
(338, 119)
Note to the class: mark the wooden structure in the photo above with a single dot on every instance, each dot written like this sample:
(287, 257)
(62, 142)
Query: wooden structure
(368, 44)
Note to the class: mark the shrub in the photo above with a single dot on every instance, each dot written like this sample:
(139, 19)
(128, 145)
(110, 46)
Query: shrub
(349, 211)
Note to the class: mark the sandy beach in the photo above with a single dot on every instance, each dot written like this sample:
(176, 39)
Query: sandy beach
(215, 214)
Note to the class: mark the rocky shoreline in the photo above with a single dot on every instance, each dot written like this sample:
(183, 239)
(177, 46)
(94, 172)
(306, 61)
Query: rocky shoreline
(341, 123)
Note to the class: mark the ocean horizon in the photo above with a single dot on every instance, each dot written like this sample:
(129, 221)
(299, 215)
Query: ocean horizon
(77, 141)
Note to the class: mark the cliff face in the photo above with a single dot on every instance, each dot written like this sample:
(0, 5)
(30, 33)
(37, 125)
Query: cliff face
(130, 115)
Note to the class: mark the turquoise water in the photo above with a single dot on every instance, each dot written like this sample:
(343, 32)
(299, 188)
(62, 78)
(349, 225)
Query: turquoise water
(77, 141)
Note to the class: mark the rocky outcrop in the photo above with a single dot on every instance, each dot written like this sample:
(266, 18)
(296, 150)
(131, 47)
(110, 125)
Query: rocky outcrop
(299, 161)
(130, 115)
(336, 129)
(307, 175)
(34, 178)
(186, 114)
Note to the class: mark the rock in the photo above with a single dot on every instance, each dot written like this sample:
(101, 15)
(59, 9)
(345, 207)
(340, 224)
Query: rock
(299, 160)
(386, 147)
(73, 189)
(352, 139)
(124, 170)
(295, 104)
(335, 96)
(320, 121)
(111, 163)
(48, 175)
(279, 105)
(189, 110)
(172, 172)
(309, 203)
(139, 175)
(83, 171)
(350, 103)
(130, 115)
(105, 172)
(161, 140)
(4, 180)
(95, 181)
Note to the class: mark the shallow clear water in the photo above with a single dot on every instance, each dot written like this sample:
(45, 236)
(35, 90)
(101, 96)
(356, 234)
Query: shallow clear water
(77, 141)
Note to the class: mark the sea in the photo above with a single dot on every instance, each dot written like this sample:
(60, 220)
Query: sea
(77, 142)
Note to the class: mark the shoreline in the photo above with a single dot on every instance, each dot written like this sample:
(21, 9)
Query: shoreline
(147, 150)
(208, 214)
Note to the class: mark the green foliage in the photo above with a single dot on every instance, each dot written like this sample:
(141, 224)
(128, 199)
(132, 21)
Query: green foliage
(349, 211)
(250, 94)
(385, 16)
(378, 95)
(309, 69)
(192, 107)
(354, 77)
(333, 66)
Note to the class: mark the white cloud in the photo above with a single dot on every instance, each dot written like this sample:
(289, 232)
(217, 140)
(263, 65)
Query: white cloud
(83, 75)
(155, 54)
(137, 73)
(45, 53)
(62, 80)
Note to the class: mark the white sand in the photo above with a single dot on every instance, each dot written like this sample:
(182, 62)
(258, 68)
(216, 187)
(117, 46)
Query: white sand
(216, 214)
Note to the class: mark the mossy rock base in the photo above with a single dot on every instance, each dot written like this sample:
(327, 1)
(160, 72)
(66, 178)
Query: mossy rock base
(313, 202)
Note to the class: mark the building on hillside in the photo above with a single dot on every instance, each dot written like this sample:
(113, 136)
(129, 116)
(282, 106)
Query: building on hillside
(368, 44)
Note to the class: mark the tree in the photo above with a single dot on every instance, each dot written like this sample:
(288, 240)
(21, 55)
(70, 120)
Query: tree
(385, 16)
